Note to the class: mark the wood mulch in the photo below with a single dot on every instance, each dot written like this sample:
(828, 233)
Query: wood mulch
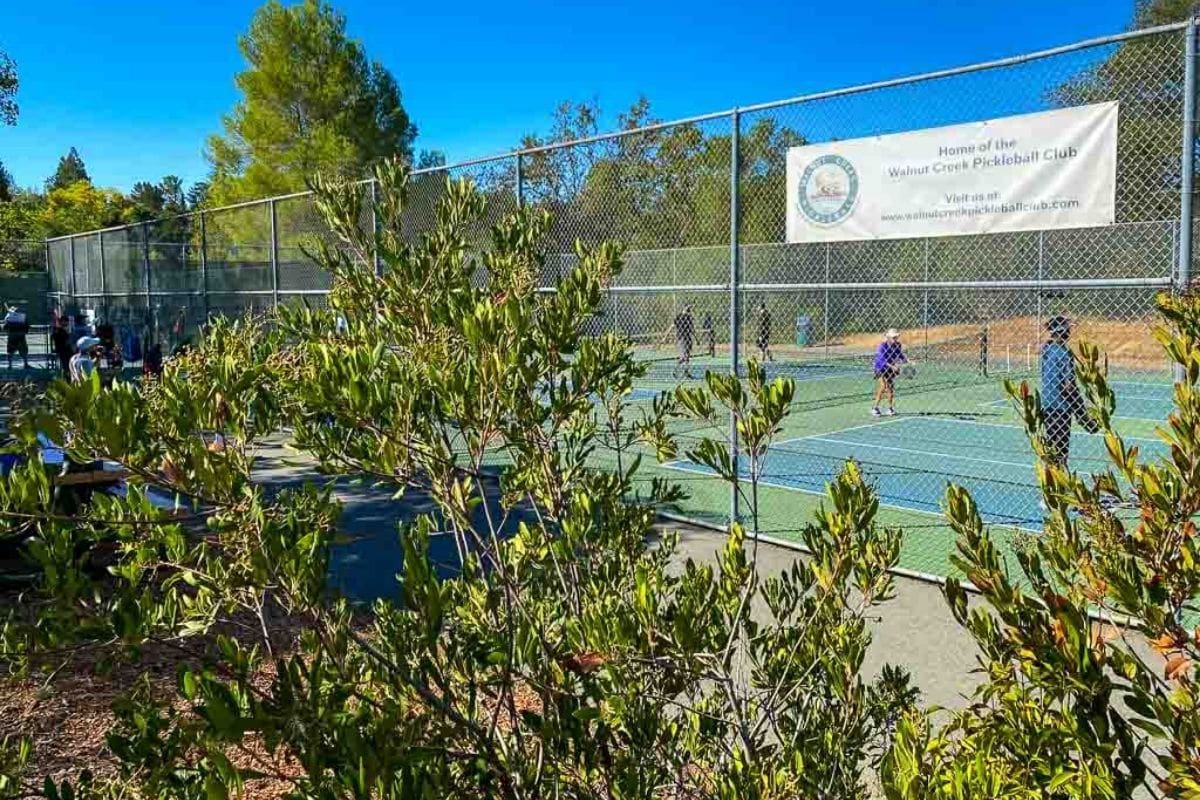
(67, 713)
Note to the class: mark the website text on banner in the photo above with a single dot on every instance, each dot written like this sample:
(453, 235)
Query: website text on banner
(1052, 169)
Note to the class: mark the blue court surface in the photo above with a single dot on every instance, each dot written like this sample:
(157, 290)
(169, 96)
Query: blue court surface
(910, 460)
(1136, 400)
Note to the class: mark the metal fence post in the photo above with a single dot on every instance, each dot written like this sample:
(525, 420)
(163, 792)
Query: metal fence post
(103, 276)
(1041, 276)
(146, 261)
(1187, 173)
(52, 294)
(204, 265)
(827, 276)
(734, 302)
(674, 282)
(375, 227)
(274, 254)
(74, 283)
(520, 183)
(925, 313)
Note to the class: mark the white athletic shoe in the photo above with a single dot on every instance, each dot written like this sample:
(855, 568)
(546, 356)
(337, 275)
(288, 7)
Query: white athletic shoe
(875, 411)
(891, 412)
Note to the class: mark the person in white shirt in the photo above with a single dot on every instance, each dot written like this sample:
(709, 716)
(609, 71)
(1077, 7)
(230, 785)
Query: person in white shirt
(84, 361)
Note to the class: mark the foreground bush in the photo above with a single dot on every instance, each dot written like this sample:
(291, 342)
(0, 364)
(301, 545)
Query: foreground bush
(564, 660)
(1090, 683)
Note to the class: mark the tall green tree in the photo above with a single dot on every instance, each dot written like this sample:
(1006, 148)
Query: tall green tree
(21, 217)
(80, 207)
(8, 89)
(174, 196)
(312, 102)
(145, 202)
(197, 195)
(1145, 76)
(6, 184)
(1148, 13)
(70, 171)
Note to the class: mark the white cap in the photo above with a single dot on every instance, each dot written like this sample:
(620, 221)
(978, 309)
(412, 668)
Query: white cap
(892, 333)
(86, 343)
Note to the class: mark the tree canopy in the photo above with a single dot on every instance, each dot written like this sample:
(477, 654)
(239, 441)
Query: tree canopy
(70, 171)
(80, 206)
(8, 90)
(312, 102)
(6, 184)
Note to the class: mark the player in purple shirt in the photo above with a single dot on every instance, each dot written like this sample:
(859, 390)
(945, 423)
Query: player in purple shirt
(888, 359)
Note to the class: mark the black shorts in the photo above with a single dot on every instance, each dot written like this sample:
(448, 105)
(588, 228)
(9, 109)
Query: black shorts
(887, 374)
(1057, 436)
(17, 344)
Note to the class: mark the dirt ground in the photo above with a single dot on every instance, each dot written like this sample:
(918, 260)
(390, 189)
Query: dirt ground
(1129, 344)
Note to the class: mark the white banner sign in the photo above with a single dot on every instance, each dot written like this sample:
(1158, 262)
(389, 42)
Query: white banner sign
(1054, 169)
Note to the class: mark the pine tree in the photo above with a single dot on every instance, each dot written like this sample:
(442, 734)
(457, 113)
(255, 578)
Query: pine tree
(311, 102)
(70, 170)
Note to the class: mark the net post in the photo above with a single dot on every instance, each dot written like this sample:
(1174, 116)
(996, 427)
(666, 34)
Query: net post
(734, 300)
(1187, 166)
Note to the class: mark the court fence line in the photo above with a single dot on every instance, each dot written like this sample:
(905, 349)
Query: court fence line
(700, 204)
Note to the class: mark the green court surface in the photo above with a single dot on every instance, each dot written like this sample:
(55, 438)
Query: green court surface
(953, 425)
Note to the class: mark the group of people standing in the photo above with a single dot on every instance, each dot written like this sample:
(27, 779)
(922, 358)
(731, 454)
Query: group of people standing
(685, 337)
(82, 345)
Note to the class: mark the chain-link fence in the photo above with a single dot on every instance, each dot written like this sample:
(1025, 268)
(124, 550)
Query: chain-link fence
(711, 279)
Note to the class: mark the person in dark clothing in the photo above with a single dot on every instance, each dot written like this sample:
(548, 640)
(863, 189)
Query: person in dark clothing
(983, 351)
(64, 348)
(152, 360)
(685, 332)
(16, 325)
(82, 327)
(710, 337)
(1060, 397)
(764, 332)
(108, 342)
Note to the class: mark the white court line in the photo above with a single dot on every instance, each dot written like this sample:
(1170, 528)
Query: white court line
(1026, 466)
(698, 469)
(1142, 383)
(1019, 428)
(1115, 416)
(887, 421)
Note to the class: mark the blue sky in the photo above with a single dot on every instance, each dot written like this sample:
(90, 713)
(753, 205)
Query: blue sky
(138, 86)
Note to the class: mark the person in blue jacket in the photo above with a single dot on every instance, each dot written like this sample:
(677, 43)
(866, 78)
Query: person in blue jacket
(1061, 401)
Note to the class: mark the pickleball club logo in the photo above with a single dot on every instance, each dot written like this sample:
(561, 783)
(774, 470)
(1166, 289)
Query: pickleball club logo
(828, 190)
